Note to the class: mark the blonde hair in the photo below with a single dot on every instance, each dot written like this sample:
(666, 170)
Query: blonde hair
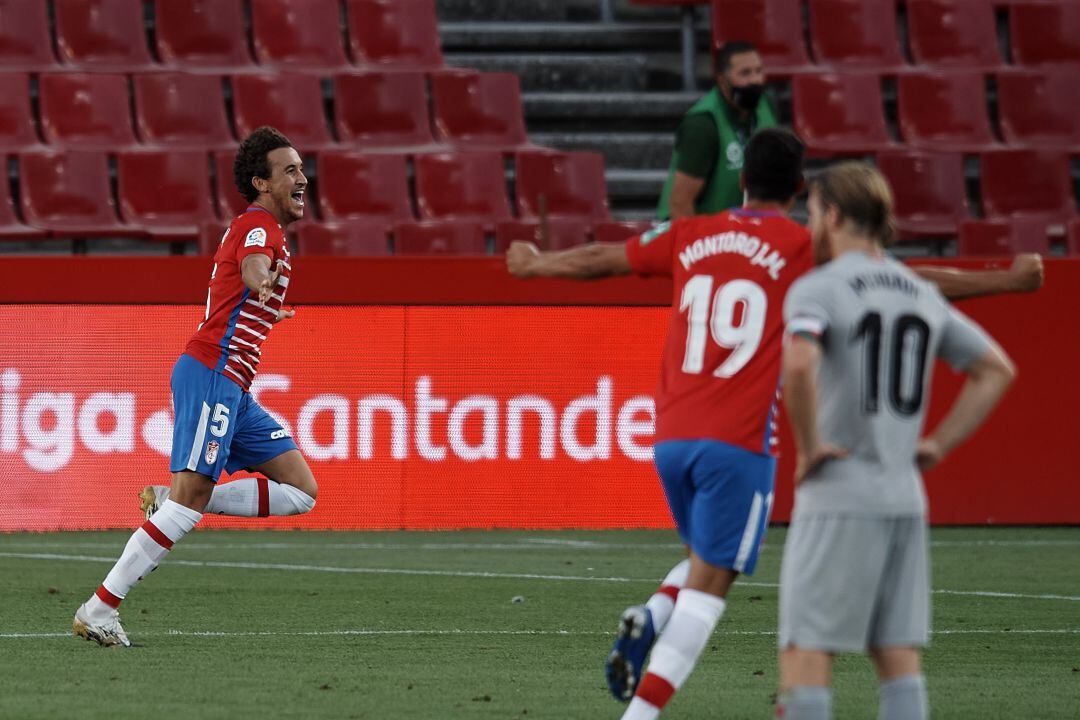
(862, 196)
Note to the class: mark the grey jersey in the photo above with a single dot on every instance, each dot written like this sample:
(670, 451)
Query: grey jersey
(880, 328)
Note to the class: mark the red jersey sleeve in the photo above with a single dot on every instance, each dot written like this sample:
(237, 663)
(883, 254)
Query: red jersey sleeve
(650, 253)
(263, 236)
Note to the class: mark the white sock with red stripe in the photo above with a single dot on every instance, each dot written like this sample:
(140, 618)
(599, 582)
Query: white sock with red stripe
(663, 600)
(676, 652)
(143, 552)
(258, 497)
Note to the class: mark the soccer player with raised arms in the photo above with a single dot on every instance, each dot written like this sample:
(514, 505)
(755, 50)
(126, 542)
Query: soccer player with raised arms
(717, 397)
(218, 426)
(862, 335)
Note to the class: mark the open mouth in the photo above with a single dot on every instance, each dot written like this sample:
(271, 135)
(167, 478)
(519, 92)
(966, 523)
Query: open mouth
(298, 197)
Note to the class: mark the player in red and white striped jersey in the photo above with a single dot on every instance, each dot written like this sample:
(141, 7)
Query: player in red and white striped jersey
(218, 426)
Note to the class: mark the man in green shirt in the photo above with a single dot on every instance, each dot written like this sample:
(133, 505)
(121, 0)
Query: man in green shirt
(708, 157)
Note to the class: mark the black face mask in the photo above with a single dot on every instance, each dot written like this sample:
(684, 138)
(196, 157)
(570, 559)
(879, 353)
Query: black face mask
(747, 96)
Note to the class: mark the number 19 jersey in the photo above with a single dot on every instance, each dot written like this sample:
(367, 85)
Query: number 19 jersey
(720, 369)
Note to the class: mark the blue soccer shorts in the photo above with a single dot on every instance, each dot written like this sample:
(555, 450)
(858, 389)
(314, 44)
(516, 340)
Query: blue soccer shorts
(218, 426)
(721, 497)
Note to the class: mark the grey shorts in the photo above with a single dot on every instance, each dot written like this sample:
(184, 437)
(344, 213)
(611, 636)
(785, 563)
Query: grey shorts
(849, 583)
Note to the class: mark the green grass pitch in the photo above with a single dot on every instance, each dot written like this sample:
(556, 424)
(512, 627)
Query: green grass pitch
(422, 625)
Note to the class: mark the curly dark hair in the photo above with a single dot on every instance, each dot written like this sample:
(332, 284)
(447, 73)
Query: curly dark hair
(773, 165)
(251, 159)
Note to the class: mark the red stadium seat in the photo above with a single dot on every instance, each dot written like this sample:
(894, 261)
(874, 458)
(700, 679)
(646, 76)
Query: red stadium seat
(440, 237)
(211, 233)
(356, 185)
(562, 233)
(463, 186)
(944, 111)
(355, 237)
(394, 33)
(1040, 108)
(953, 33)
(1033, 183)
(230, 202)
(68, 194)
(929, 191)
(25, 40)
(86, 111)
(102, 35)
(855, 33)
(774, 26)
(838, 113)
(382, 109)
(17, 129)
(290, 36)
(11, 228)
(203, 35)
(1004, 236)
(478, 110)
(1072, 239)
(179, 109)
(291, 103)
(167, 192)
(620, 230)
(1045, 33)
(570, 183)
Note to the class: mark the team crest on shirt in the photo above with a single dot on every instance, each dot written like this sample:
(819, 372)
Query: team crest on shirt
(211, 452)
(256, 238)
(734, 156)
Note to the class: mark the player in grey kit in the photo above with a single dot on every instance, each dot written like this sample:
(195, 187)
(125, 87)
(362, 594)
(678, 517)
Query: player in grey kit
(862, 335)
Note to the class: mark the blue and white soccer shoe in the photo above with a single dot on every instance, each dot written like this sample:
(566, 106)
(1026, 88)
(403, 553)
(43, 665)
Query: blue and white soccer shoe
(626, 663)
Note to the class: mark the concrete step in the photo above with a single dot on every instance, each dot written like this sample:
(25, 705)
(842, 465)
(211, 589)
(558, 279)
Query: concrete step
(558, 11)
(620, 149)
(588, 106)
(564, 36)
(635, 186)
(619, 71)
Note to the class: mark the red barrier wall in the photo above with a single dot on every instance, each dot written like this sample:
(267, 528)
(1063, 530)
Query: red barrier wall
(546, 413)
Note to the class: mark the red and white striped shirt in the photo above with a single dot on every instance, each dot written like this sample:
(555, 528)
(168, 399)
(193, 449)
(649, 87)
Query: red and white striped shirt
(230, 337)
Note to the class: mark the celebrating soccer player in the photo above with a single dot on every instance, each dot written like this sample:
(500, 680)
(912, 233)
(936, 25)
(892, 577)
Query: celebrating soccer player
(716, 401)
(862, 334)
(218, 426)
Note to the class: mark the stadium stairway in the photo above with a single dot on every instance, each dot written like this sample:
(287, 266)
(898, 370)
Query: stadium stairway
(610, 85)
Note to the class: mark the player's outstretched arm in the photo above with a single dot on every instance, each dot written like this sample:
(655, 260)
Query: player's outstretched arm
(584, 262)
(1025, 275)
(800, 367)
(988, 379)
(256, 273)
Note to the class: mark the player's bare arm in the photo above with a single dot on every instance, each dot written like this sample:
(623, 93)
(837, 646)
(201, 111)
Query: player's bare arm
(259, 278)
(1025, 275)
(585, 262)
(799, 367)
(987, 380)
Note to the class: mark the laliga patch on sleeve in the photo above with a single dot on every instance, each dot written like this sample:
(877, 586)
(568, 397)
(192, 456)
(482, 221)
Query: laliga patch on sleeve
(648, 237)
(256, 237)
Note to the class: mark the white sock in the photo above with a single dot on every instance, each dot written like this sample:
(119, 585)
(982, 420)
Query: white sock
(143, 552)
(258, 497)
(904, 698)
(663, 600)
(676, 652)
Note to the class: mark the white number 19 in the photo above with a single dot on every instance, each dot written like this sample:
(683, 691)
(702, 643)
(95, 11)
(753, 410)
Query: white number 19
(742, 339)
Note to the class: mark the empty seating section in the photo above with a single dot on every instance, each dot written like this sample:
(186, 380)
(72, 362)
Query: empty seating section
(382, 109)
(102, 35)
(928, 190)
(840, 113)
(394, 33)
(25, 41)
(1040, 107)
(857, 33)
(123, 118)
(289, 35)
(944, 111)
(478, 110)
(202, 35)
(774, 26)
(953, 34)
(182, 110)
(82, 110)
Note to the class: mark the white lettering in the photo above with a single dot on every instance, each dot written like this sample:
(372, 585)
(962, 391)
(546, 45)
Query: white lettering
(600, 404)
(338, 449)
(399, 439)
(157, 432)
(488, 449)
(9, 410)
(628, 430)
(426, 406)
(49, 450)
(271, 383)
(122, 437)
(515, 408)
